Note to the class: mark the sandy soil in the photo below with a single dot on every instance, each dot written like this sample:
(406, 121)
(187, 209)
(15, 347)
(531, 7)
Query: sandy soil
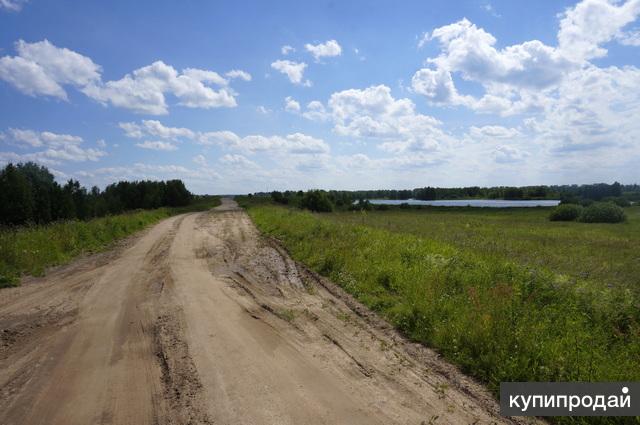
(200, 320)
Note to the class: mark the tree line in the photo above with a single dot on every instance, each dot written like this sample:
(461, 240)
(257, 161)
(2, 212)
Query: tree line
(320, 200)
(30, 194)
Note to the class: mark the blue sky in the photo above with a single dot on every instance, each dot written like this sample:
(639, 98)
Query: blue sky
(236, 97)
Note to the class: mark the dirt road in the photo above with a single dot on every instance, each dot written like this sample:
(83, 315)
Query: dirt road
(201, 321)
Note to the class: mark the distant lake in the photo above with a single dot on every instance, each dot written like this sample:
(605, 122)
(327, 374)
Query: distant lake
(487, 203)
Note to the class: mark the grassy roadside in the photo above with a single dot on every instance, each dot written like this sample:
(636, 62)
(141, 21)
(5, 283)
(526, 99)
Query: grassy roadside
(30, 250)
(497, 319)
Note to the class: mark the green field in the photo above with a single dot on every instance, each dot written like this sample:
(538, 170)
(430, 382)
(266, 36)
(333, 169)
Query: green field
(604, 253)
(504, 294)
(30, 250)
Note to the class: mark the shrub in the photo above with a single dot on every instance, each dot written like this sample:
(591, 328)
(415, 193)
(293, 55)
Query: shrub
(619, 201)
(316, 200)
(602, 212)
(565, 212)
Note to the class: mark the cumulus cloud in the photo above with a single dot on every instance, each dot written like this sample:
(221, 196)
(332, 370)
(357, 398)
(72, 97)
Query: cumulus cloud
(51, 148)
(591, 23)
(316, 111)
(237, 73)
(521, 78)
(595, 108)
(373, 113)
(43, 69)
(237, 161)
(293, 70)
(470, 50)
(493, 132)
(156, 129)
(143, 91)
(157, 146)
(291, 105)
(327, 49)
(44, 138)
(508, 154)
(296, 143)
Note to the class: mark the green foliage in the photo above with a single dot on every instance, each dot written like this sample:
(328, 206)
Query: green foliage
(603, 212)
(30, 250)
(16, 201)
(29, 194)
(498, 320)
(600, 253)
(316, 200)
(565, 212)
(573, 194)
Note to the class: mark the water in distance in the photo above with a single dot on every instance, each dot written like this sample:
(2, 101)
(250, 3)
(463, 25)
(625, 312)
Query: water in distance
(487, 203)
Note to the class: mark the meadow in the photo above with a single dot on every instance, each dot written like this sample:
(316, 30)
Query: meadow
(29, 250)
(608, 254)
(504, 294)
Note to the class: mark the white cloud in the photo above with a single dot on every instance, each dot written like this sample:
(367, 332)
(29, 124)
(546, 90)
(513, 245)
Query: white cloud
(156, 129)
(200, 160)
(42, 68)
(373, 113)
(157, 146)
(54, 148)
(493, 132)
(591, 23)
(327, 49)
(263, 110)
(316, 111)
(437, 85)
(296, 143)
(12, 5)
(237, 73)
(238, 161)
(291, 105)
(45, 138)
(101, 143)
(595, 108)
(523, 78)
(219, 138)
(286, 49)
(144, 90)
(629, 38)
(508, 154)
(293, 70)
(470, 50)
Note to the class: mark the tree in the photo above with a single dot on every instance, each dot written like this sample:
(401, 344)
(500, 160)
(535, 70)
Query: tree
(316, 200)
(16, 199)
(426, 194)
(42, 183)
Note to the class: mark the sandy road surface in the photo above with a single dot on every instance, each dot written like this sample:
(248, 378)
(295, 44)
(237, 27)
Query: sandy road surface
(202, 321)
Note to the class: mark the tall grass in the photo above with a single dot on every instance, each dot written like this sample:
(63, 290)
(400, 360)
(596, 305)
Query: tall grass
(497, 319)
(31, 249)
(599, 252)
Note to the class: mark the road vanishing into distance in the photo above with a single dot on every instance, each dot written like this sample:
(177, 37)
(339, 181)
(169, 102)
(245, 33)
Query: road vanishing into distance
(200, 320)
